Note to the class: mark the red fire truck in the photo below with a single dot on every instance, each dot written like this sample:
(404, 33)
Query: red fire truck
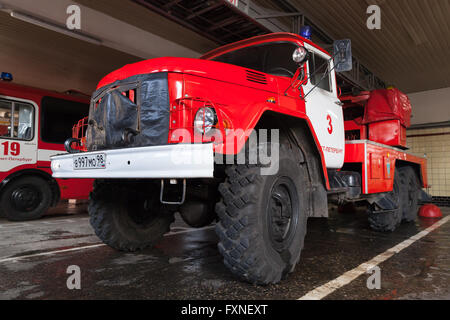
(34, 125)
(254, 134)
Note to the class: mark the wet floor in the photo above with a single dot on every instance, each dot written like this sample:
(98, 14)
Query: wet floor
(35, 256)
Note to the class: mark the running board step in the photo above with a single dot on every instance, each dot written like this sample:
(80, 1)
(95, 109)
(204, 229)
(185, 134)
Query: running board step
(337, 191)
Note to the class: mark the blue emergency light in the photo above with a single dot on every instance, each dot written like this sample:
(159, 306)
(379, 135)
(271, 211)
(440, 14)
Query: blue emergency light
(6, 76)
(306, 32)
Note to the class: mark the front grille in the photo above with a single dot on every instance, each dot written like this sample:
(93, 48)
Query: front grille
(130, 113)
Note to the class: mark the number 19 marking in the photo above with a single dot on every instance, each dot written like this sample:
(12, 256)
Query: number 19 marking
(15, 148)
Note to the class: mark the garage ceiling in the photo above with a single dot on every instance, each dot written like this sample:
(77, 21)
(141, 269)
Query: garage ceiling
(47, 59)
(412, 49)
(136, 15)
(216, 20)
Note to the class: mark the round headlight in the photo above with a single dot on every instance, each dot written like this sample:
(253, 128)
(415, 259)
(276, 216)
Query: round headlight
(205, 120)
(300, 55)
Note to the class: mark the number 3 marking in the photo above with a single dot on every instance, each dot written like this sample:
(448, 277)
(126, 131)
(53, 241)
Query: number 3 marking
(330, 122)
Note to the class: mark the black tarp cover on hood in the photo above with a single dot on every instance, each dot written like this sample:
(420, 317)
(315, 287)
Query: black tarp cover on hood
(144, 121)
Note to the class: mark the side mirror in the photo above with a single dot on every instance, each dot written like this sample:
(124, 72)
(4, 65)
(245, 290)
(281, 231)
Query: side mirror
(300, 55)
(343, 60)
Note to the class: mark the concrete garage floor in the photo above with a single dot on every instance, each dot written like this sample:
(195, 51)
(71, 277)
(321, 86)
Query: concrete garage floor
(34, 257)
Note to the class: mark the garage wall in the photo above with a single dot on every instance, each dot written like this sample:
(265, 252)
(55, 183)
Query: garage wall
(430, 106)
(435, 143)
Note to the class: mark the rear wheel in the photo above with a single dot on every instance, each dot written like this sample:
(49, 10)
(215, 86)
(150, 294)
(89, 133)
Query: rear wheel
(262, 219)
(127, 216)
(26, 198)
(410, 194)
(388, 221)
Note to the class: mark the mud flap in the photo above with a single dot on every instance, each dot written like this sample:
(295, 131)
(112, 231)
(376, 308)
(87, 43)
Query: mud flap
(319, 202)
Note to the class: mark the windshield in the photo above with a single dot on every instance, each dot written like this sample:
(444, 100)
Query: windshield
(272, 58)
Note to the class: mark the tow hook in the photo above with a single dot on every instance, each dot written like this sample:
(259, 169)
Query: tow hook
(68, 145)
(171, 190)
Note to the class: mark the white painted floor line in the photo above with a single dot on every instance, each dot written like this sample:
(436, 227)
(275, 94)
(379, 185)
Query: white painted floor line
(49, 253)
(39, 223)
(328, 288)
(14, 259)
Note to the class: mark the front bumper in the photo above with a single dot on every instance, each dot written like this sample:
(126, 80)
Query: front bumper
(157, 162)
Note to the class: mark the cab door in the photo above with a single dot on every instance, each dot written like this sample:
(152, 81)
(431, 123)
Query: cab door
(324, 109)
(18, 133)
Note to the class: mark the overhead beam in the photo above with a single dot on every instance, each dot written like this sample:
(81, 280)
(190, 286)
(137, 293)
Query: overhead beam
(218, 29)
(279, 15)
(223, 23)
(171, 4)
(207, 9)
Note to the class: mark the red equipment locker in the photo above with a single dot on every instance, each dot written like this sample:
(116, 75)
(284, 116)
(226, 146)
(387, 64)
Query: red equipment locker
(390, 132)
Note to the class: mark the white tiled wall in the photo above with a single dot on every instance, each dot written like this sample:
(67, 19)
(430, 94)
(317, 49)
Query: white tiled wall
(437, 150)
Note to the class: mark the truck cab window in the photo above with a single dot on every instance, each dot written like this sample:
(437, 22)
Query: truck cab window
(271, 58)
(16, 120)
(318, 67)
(58, 117)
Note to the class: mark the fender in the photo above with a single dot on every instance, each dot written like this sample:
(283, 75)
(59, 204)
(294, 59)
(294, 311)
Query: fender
(383, 161)
(244, 106)
(301, 135)
(317, 146)
(419, 168)
(284, 112)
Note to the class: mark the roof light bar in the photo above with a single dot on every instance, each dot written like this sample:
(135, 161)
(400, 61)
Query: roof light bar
(6, 76)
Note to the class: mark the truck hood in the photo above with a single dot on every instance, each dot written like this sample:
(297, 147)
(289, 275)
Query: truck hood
(197, 67)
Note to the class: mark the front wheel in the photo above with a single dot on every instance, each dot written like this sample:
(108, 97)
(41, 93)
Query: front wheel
(262, 219)
(26, 198)
(128, 216)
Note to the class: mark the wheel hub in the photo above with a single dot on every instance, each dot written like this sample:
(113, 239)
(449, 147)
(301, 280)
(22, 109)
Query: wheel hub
(281, 210)
(26, 198)
(142, 211)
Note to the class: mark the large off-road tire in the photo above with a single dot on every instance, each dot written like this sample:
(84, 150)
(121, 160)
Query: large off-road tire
(262, 219)
(388, 221)
(26, 198)
(128, 216)
(409, 195)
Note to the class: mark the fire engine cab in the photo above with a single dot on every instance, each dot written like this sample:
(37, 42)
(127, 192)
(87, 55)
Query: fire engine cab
(34, 125)
(255, 135)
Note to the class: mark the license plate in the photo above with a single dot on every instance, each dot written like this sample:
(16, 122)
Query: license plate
(92, 161)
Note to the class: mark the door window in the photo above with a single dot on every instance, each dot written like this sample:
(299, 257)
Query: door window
(16, 120)
(318, 68)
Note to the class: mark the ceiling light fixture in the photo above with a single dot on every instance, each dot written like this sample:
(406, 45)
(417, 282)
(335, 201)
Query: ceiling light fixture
(54, 27)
